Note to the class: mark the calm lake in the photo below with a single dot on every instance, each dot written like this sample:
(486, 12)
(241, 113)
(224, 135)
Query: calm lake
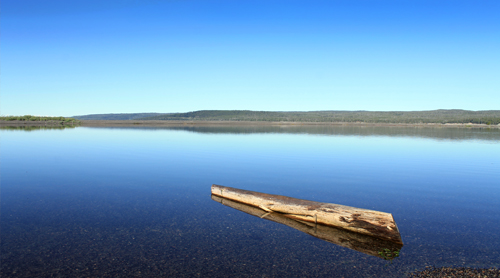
(107, 202)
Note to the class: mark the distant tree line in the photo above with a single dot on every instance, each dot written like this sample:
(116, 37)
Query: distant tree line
(491, 117)
(30, 118)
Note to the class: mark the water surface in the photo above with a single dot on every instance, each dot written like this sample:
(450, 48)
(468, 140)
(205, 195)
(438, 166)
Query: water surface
(136, 201)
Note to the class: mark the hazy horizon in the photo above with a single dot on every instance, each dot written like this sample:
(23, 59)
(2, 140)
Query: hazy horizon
(153, 112)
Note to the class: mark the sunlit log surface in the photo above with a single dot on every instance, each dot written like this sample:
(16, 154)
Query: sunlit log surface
(368, 222)
(355, 241)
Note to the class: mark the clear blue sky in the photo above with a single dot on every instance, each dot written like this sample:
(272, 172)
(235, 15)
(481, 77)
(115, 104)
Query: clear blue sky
(62, 57)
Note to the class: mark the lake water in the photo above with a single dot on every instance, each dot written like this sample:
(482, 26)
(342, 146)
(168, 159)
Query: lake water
(107, 202)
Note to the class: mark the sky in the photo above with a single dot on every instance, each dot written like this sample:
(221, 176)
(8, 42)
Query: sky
(66, 58)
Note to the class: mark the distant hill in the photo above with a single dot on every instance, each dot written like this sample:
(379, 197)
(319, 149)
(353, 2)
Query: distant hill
(123, 116)
(433, 116)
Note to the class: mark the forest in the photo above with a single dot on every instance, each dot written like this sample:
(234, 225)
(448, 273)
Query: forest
(490, 117)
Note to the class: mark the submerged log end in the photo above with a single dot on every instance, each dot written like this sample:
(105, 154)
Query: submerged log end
(374, 223)
(397, 234)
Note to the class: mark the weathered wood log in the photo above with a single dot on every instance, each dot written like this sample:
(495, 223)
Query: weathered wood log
(368, 222)
(362, 243)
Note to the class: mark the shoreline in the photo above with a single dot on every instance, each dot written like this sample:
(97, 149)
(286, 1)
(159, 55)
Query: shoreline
(160, 123)
(166, 123)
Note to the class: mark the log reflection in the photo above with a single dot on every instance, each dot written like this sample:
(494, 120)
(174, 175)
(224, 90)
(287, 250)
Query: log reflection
(355, 241)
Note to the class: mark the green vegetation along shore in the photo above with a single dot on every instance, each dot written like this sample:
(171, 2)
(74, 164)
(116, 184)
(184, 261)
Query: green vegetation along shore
(490, 117)
(38, 120)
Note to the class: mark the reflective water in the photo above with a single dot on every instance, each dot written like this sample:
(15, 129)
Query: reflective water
(136, 201)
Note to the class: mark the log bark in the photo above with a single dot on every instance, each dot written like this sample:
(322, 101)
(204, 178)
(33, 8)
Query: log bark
(355, 241)
(368, 222)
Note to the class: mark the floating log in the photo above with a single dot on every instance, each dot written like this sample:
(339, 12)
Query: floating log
(368, 222)
(362, 243)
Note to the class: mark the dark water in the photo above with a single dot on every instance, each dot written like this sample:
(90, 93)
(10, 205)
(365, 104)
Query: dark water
(103, 202)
